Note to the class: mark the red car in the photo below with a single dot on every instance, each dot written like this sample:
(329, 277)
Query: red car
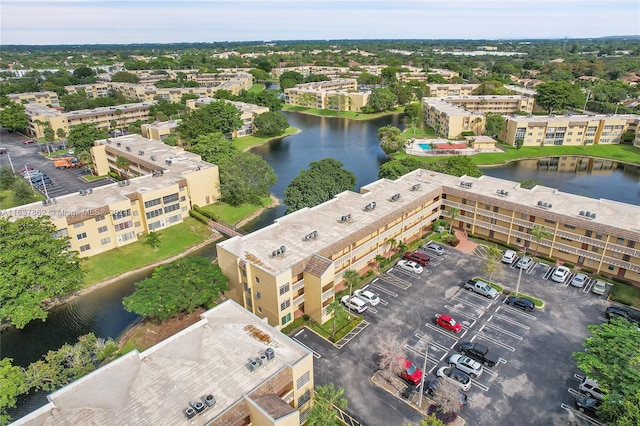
(420, 258)
(411, 373)
(445, 321)
(29, 141)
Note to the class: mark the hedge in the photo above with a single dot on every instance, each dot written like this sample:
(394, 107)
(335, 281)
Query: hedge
(198, 216)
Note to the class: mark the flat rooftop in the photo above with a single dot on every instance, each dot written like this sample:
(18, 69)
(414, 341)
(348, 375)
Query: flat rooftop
(573, 118)
(289, 231)
(444, 105)
(153, 387)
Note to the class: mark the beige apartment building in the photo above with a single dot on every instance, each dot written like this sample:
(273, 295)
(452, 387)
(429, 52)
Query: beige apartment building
(159, 130)
(296, 265)
(140, 92)
(229, 368)
(467, 89)
(46, 99)
(576, 130)
(248, 112)
(118, 116)
(337, 95)
(162, 184)
(451, 120)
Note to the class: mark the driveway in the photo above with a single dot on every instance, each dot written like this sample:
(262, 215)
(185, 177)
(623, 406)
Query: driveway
(535, 381)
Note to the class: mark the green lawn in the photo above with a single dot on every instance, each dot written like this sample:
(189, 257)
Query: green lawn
(426, 133)
(247, 142)
(343, 326)
(7, 201)
(173, 240)
(344, 114)
(626, 294)
(92, 178)
(256, 88)
(233, 214)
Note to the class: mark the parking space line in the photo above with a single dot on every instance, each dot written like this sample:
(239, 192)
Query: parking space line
(384, 290)
(531, 268)
(581, 415)
(480, 385)
(372, 310)
(502, 330)
(490, 372)
(497, 342)
(415, 351)
(510, 321)
(432, 343)
(456, 296)
(574, 392)
(462, 314)
(315, 354)
(587, 286)
(547, 273)
(514, 311)
(579, 377)
(398, 282)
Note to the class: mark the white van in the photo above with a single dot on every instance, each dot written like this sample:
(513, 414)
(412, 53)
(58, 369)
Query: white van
(590, 387)
(354, 304)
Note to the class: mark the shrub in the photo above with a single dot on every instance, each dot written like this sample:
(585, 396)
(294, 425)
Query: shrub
(569, 265)
(440, 222)
(443, 417)
(454, 242)
(199, 217)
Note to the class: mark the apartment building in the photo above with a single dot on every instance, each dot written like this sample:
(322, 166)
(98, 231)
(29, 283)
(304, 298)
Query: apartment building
(47, 99)
(140, 92)
(296, 265)
(229, 368)
(248, 113)
(162, 184)
(102, 117)
(576, 130)
(337, 95)
(451, 120)
(467, 89)
(159, 130)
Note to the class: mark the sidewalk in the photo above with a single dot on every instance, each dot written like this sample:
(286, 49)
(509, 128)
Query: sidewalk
(465, 245)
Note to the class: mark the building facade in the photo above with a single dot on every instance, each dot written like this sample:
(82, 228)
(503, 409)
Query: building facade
(46, 99)
(229, 368)
(296, 265)
(162, 184)
(550, 130)
(337, 95)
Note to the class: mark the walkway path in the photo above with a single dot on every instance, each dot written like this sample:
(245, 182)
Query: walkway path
(465, 245)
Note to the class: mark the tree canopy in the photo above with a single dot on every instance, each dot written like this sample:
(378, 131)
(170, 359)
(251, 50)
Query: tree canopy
(390, 140)
(612, 357)
(271, 123)
(456, 166)
(13, 117)
(321, 182)
(558, 95)
(125, 77)
(494, 124)
(180, 286)
(381, 99)
(83, 136)
(289, 79)
(218, 116)
(36, 266)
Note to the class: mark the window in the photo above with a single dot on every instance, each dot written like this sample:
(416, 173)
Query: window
(85, 248)
(258, 280)
(102, 229)
(126, 237)
(99, 218)
(569, 226)
(303, 380)
(304, 398)
(619, 241)
(258, 295)
(136, 213)
(495, 209)
(61, 233)
(259, 310)
(244, 272)
(172, 207)
(611, 267)
(81, 236)
(151, 203)
(587, 233)
(304, 415)
(598, 236)
(154, 213)
(553, 222)
(284, 305)
(119, 214)
(156, 225)
(78, 225)
(183, 198)
(523, 216)
(521, 228)
(285, 319)
(170, 198)
(284, 289)
(594, 249)
(123, 225)
(105, 241)
(174, 218)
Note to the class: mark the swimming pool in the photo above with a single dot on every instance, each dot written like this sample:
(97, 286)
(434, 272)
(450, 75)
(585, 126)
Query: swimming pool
(425, 146)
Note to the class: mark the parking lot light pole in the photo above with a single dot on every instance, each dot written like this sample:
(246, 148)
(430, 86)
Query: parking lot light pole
(524, 254)
(425, 341)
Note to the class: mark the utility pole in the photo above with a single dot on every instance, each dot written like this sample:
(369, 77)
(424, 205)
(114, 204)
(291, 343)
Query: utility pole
(524, 254)
(425, 342)
(586, 100)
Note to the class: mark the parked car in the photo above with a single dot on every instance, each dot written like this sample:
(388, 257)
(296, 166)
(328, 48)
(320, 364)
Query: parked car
(410, 266)
(410, 372)
(458, 377)
(354, 304)
(524, 262)
(579, 280)
(26, 171)
(600, 287)
(421, 259)
(434, 248)
(409, 392)
(29, 142)
(591, 389)
(478, 352)
(509, 256)
(560, 274)
(368, 296)
(520, 303)
(482, 288)
(470, 366)
(590, 405)
(3, 150)
(448, 323)
(431, 386)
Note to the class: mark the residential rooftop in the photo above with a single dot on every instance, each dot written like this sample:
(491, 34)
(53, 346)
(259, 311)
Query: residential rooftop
(444, 104)
(346, 215)
(211, 356)
(582, 118)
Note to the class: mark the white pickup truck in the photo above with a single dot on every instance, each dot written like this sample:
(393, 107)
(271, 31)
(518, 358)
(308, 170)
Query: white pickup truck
(481, 288)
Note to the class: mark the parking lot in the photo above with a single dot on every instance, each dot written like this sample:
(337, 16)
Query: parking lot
(63, 181)
(536, 379)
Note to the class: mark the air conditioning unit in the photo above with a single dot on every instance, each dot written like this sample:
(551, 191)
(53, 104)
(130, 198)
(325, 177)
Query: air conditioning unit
(153, 158)
(140, 152)
(209, 400)
(128, 148)
(270, 353)
(416, 187)
(90, 191)
(197, 405)
(189, 413)
(82, 193)
(167, 162)
(395, 197)
(254, 365)
(118, 144)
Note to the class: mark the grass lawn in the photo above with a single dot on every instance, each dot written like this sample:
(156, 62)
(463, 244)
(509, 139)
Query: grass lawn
(251, 141)
(343, 326)
(233, 214)
(626, 294)
(92, 178)
(7, 201)
(425, 133)
(256, 88)
(173, 240)
(344, 114)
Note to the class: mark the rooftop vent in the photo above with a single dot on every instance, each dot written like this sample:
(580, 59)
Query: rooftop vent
(108, 141)
(140, 152)
(466, 184)
(189, 413)
(581, 213)
(593, 215)
(395, 197)
(270, 353)
(370, 206)
(311, 236)
(82, 193)
(89, 191)
(118, 144)
(128, 148)
(197, 405)
(254, 364)
(416, 187)
(345, 218)
(153, 158)
(209, 400)
(127, 182)
(167, 162)
(279, 252)
(157, 173)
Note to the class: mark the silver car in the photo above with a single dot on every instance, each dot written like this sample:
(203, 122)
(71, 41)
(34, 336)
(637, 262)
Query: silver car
(470, 366)
(408, 265)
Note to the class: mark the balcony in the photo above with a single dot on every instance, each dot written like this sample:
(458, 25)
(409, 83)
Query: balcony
(298, 300)
(297, 286)
(326, 295)
(288, 397)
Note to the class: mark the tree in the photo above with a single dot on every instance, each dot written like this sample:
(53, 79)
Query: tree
(612, 357)
(454, 212)
(390, 139)
(381, 99)
(432, 420)
(415, 115)
(259, 74)
(163, 109)
(122, 163)
(528, 184)
(12, 384)
(447, 396)
(325, 401)
(493, 264)
(23, 193)
(334, 309)
(289, 79)
(271, 123)
(36, 266)
(7, 178)
(83, 136)
(558, 95)
(14, 117)
(389, 75)
(493, 124)
(83, 72)
(61, 133)
(391, 355)
(180, 286)
(321, 182)
(125, 77)
(245, 178)
(152, 240)
(518, 142)
(218, 116)
(368, 79)
(351, 278)
(456, 166)
(539, 232)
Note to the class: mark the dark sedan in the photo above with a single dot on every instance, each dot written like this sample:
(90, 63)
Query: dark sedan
(520, 303)
(590, 405)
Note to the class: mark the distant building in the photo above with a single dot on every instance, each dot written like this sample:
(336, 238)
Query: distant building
(229, 368)
(47, 99)
(159, 130)
(337, 95)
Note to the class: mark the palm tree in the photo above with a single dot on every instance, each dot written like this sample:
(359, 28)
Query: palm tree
(334, 309)
(539, 232)
(392, 243)
(351, 278)
(122, 163)
(454, 212)
(380, 259)
(325, 401)
(492, 264)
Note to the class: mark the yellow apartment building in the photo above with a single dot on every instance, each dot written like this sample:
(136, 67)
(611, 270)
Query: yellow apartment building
(467, 89)
(103, 118)
(576, 130)
(296, 265)
(450, 120)
(159, 130)
(337, 95)
(229, 368)
(248, 113)
(47, 99)
(162, 184)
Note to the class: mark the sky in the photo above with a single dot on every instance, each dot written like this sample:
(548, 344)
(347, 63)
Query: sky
(174, 21)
